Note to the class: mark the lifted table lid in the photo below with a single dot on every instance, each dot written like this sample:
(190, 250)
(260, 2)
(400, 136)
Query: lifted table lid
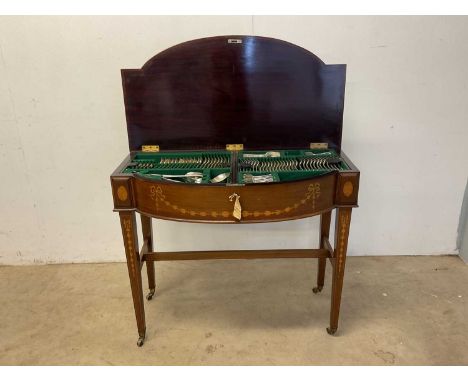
(261, 92)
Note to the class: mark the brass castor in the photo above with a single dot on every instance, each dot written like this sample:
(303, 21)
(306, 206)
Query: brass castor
(140, 341)
(317, 289)
(331, 331)
(150, 295)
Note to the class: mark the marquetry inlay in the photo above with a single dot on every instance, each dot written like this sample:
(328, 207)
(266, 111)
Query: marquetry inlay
(160, 199)
(345, 217)
(311, 195)
(127, 223)
(122, 193)
(348, 189)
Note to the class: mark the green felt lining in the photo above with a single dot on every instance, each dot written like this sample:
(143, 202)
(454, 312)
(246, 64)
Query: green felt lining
(209, 173)
(282, 176)
(156, 158)
(286, 175)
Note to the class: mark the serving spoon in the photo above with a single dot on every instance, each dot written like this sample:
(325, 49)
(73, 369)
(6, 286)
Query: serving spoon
(219, 178)
(268, 154)
(191, 176)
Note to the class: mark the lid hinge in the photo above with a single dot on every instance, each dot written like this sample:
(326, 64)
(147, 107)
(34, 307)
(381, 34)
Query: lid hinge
(319, 145)
(234, 147)
(150, 148)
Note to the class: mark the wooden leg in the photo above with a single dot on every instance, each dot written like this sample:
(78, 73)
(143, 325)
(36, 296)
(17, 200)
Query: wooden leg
(324, 233)
(342, 222)
(130, 238)
(147, 228)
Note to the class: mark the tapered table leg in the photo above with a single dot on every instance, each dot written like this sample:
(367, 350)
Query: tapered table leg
(147, 228)
(342, 222)
(130, 238)
(325, 219)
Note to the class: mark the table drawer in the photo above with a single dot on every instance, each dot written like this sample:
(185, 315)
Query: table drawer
(211, 203)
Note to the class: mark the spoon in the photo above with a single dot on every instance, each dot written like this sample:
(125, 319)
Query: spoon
(249, 178)
(268, 154)
(219, 178)
(190, 174)
(190, 180)
(190, 177)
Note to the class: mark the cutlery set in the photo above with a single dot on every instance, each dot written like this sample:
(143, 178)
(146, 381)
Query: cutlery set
(286, 164)
(252, 167)
(201, 161)
(191, 177)
(249, 178)
(204, 161)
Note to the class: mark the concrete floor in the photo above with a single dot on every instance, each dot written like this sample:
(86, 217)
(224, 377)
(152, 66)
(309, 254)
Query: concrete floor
(395, 311)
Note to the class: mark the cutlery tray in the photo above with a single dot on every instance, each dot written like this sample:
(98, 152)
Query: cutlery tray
(288, 166)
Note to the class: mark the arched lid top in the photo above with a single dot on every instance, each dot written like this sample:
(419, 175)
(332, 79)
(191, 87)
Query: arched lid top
(247, 43)
(261, 92)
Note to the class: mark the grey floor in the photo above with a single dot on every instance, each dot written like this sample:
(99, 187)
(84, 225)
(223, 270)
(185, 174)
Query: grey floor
(395, 311)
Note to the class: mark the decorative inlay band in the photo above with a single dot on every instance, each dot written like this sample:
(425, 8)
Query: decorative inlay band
(348, 189)
(127, 223)
(159, 198)
(345, 217)
(311, 196)
(122, 193)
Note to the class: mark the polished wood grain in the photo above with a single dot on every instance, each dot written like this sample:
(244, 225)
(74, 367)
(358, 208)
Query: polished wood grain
(325, 220)
(329, 247)
(342, 224)
(347, 188)
(240, 254)
(130, 237)
(147, 231)
(260, 202)
(206, 93)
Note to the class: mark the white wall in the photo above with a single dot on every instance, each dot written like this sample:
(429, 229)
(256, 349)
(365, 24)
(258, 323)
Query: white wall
(62, 131)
